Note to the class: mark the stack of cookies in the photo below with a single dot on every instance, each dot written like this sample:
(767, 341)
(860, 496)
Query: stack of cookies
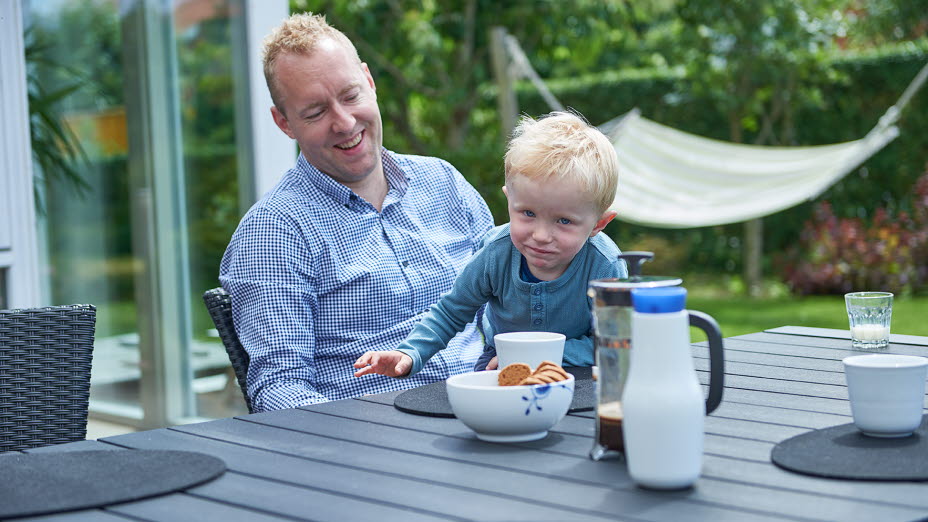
(520, 374)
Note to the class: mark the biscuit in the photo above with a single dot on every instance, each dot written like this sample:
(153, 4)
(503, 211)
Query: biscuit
(513, 374)
(546, 373)
(555, 370)
(549, 375)
(546, 364)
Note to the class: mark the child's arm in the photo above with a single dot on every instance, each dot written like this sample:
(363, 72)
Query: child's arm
(444, 320)
(391, 364)
(579, 351)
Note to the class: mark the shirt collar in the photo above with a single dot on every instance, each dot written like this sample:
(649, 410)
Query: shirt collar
(397, 179)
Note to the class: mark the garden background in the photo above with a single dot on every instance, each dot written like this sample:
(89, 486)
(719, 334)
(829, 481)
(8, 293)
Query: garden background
(768, 72)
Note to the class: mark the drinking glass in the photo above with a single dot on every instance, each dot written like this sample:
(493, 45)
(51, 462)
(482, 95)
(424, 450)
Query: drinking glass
(869, 315)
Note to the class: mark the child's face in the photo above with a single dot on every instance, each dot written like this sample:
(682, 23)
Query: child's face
(550, 221)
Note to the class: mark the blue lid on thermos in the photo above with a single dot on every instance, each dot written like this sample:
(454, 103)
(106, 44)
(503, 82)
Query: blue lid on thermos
(661, 300)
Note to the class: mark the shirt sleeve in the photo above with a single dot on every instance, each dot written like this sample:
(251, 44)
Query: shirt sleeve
(450, 314)
(579, 351)
(267, 271)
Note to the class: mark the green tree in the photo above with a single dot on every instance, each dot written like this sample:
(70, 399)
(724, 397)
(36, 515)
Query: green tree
(431, 62)
(57, 88)
(881, 22)
(758, 62)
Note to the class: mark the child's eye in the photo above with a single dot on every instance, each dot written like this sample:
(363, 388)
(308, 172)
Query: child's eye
(564, 221)
(528, 213)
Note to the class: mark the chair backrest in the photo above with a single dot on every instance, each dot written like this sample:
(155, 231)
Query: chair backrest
(45, 359)
(219, 304)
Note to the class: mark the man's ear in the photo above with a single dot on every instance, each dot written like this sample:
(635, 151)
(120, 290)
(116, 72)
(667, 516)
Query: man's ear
(604, 220)
(367, 73)
(281, 122)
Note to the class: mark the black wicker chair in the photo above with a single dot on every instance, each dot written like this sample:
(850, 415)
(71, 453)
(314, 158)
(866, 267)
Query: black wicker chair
(45, 359)
(219, 304)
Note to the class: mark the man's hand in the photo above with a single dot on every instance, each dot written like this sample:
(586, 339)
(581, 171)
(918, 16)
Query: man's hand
(391, 364)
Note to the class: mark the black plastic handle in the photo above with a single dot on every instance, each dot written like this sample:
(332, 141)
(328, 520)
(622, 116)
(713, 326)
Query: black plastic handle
(707, 324)
(634, 260)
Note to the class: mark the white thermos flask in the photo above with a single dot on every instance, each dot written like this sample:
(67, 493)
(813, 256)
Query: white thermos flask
(662, 401)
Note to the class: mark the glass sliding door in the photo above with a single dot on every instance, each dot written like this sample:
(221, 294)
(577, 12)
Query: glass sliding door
(152, 91)
(207, 39)
(74, 61)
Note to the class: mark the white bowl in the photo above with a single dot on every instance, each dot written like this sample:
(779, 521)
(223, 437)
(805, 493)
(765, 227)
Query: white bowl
(508, 413)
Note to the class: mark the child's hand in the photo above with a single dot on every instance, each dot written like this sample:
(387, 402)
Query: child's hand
(391, 364)
(493, 364)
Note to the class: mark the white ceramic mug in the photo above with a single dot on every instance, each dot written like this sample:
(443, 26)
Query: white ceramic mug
(887, 393)
(529, 347)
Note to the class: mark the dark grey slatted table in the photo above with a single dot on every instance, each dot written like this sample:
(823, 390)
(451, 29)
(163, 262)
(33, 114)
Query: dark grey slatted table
(364, 460)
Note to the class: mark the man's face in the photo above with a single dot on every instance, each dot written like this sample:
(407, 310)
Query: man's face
(329, 106)
(549, 222)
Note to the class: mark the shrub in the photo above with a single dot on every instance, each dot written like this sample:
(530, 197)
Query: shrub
(669, 257)
(837, 255)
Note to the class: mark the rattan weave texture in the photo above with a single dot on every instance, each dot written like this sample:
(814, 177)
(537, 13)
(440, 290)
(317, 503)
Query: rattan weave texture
(219, 304)
(45, 360)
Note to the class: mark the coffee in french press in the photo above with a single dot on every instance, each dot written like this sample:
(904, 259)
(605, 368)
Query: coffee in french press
(612, 313)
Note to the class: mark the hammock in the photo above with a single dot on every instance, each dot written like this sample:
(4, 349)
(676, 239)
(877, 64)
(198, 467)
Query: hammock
(673, 179)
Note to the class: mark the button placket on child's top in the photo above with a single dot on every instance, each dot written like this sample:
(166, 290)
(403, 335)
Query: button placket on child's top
(538, 304)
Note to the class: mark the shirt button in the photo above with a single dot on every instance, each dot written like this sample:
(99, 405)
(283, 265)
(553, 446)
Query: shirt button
(405, 263)
(536, 291)
(536, 321)
(538, 306)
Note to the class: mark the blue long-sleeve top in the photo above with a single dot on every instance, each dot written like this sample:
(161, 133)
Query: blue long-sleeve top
(491, 277)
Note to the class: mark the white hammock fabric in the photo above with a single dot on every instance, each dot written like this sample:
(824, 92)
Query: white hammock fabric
(673, 179)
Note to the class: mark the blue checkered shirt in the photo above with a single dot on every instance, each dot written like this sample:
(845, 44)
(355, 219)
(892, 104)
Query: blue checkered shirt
(318, 276)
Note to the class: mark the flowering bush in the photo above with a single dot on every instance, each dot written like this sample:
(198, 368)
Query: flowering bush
(838, 255)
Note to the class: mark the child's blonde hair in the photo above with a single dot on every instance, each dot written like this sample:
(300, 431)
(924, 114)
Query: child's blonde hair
(298, 34)
(563, 145)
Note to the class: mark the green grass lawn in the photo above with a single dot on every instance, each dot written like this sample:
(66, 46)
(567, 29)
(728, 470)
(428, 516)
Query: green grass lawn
(738, 314)
(742, 315)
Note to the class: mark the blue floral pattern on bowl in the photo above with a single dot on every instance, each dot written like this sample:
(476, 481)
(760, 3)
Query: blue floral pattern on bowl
(539, 393)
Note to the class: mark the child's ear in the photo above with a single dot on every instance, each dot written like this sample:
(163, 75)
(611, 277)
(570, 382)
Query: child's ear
(604, 220)
(506, 192)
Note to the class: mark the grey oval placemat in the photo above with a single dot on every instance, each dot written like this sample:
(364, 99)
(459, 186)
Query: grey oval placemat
(432, 399)
(52, 482)
(844, 452)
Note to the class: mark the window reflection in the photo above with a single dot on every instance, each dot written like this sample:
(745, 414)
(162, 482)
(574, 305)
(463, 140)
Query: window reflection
(204, 31)
(86, 232)
(84, 222)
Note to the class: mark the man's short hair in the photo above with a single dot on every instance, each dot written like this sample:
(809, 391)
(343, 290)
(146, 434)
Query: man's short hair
(563, 145)
(298, 34)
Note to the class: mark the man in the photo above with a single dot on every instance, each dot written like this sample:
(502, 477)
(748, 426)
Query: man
(354, 243)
